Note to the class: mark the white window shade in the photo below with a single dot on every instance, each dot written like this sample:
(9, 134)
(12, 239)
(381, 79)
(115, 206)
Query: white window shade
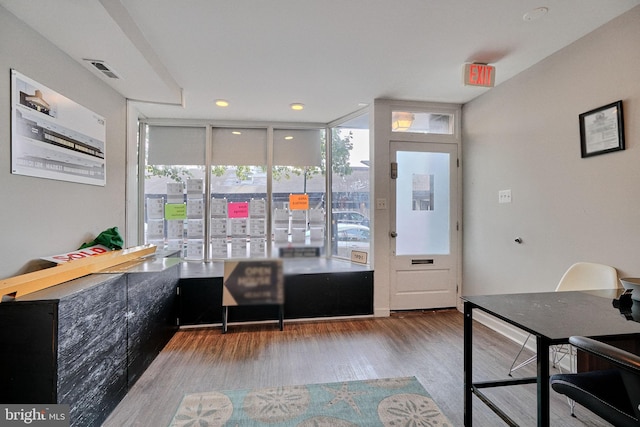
(176, 145)
(299, 147)
(238, 147)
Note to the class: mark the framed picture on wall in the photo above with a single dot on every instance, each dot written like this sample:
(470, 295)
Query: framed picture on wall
(53, 137)
(602, 130)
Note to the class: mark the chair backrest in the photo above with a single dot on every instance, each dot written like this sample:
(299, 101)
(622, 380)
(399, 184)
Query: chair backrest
(585, 276)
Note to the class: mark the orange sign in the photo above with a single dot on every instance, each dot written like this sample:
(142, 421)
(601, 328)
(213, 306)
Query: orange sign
(479, 75)
(298, 202)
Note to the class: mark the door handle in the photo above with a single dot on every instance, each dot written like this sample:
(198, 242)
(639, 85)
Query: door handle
(393, 234)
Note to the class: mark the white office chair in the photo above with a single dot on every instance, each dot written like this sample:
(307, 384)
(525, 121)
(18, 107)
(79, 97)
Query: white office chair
(581, 276)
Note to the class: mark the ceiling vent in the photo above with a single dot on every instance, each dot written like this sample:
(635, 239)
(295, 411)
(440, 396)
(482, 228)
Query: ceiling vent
(102, 67)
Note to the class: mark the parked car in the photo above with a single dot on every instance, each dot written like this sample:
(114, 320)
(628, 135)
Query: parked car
(350, 217)
(352, 237)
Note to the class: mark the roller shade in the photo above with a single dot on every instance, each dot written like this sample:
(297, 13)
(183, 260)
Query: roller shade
(299, 147)
(239, 147)
(184, 145)
(176, 145)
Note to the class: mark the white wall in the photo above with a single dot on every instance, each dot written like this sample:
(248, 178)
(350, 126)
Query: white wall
(523, 135)
(41, 217)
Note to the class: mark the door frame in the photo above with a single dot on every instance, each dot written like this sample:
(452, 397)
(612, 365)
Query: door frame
(382, 136)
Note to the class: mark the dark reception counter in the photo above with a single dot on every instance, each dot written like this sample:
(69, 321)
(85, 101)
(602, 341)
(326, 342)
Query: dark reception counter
(86, 341)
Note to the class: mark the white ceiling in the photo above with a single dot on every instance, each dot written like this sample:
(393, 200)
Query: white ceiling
(331, 55)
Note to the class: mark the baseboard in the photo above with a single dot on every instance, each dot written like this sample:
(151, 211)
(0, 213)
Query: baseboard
(275, 322)
(504, 328)
(514, 334)
(381, 312)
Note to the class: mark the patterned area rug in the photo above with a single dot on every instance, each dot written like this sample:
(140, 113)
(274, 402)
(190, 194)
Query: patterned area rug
(392, 402)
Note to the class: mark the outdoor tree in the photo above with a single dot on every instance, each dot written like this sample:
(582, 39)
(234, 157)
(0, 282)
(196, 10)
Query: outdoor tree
(175, 173)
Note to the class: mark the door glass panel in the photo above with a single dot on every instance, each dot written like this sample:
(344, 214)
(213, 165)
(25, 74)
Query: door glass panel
(422, 203)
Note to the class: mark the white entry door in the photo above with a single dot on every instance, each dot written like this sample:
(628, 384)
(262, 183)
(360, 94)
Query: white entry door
(424, 225)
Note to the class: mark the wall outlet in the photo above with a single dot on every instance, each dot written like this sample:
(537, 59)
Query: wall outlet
(504, 196)
(381, 203)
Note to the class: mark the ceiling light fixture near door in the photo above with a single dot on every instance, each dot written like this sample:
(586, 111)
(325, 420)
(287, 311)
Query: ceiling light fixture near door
(401, 121)
(297, 106)
(222, 103)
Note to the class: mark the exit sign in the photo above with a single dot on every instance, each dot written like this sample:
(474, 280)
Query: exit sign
(479, 75)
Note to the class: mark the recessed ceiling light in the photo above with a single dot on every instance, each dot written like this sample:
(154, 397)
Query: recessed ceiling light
(297, 106)
(222, 103)
(288, 137)
(236, 132)
(536, 13)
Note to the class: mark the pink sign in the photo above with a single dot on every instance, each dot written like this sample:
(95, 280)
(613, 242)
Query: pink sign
(238, 209)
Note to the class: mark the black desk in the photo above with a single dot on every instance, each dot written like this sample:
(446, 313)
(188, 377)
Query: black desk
(552, 317)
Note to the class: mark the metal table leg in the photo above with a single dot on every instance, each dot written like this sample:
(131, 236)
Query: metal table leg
(543, 381)
(225, 314)
(468, 353)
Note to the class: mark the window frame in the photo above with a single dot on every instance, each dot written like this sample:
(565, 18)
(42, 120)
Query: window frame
(210, 126)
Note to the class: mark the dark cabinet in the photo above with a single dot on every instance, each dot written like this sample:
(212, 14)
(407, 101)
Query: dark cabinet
(67, 345)
(322, 294)
(151, 317)
(86, 341)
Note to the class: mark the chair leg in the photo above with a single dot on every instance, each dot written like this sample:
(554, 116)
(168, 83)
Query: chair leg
(526, 362)
(572, 407)
(557, 354)
(565, 350)
(573, 368)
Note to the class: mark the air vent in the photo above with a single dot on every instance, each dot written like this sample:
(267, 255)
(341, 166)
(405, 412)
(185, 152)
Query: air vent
(103, 68)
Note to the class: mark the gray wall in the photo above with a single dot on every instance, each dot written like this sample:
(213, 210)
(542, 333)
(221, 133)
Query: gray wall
(41, 217)
(523, 135)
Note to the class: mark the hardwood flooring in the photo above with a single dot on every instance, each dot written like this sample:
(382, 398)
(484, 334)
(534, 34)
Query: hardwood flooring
(424, 344)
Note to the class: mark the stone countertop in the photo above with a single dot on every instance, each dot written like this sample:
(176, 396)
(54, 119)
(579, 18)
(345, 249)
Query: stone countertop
(148, 264)
(291, 266)
(69, 288)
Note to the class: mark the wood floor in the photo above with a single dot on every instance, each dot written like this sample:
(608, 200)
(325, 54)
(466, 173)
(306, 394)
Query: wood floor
(427, 345)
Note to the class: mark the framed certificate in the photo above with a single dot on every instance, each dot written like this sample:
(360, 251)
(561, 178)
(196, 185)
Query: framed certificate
(602, 130)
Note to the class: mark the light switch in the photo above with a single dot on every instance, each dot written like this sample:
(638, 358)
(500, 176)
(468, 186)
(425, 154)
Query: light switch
(504, 196)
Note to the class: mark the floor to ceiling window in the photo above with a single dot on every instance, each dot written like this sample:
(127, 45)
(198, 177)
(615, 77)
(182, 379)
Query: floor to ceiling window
(173, 188)
(350, 191)
(298, 182)
(240, 192)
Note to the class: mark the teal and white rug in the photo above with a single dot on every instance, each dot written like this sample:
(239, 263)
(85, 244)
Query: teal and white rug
(391, 402)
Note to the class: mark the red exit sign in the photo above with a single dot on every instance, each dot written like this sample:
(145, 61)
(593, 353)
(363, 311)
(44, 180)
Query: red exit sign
(479, 75)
